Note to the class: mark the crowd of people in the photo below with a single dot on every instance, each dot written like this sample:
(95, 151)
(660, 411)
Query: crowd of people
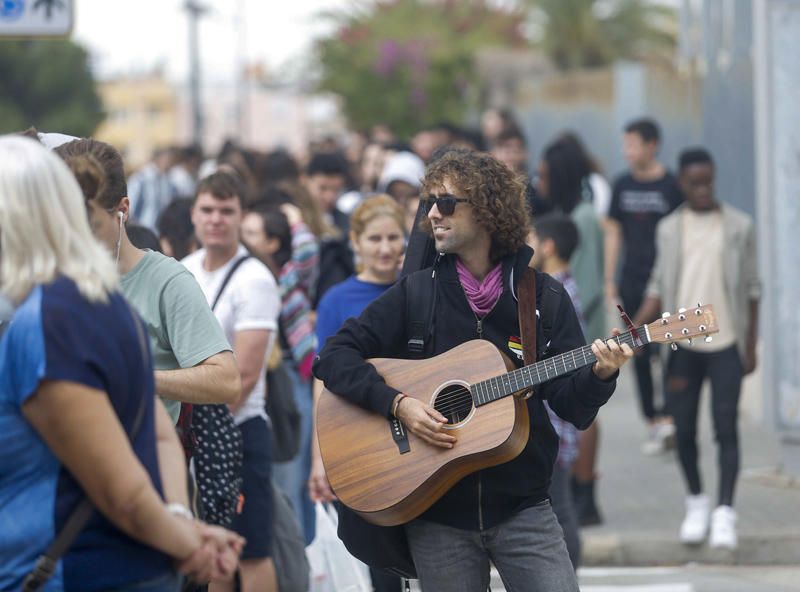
(156, 326)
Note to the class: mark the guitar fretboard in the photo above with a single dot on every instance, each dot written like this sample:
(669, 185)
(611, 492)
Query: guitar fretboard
(524, 378)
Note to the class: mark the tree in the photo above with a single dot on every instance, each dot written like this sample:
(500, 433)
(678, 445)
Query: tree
(593, 33)
(409, 63)
(47, 84)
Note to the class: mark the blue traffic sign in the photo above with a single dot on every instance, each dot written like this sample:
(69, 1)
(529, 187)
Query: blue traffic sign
(11, 10)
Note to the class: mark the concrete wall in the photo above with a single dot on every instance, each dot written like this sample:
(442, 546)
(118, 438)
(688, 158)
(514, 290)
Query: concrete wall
(777, 45)
(727, 98)
(598, 103)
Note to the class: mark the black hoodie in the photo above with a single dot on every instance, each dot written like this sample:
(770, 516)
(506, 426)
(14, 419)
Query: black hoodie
(491, 496)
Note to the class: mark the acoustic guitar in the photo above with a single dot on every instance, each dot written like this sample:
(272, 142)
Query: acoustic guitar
(389, 476)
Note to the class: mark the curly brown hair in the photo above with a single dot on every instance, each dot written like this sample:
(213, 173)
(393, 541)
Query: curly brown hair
(497, 196)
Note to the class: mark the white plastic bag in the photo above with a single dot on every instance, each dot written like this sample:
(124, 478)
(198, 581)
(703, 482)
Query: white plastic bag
(333, 569)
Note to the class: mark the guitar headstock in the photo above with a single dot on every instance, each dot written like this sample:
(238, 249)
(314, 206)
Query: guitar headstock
(685, 324)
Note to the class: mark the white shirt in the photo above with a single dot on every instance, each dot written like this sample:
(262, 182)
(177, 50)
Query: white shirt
(601, 194)
(250, 301)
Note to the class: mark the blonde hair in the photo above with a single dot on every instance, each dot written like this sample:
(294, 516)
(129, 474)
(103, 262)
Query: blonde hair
(44, 228)
(375, 207)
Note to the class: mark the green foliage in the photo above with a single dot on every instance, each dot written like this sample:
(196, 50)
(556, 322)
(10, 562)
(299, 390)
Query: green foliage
(47, 84)
(593, 33)
(409, 63)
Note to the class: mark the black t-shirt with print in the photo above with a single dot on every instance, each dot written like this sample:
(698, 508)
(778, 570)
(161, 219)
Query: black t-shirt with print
(638, 206)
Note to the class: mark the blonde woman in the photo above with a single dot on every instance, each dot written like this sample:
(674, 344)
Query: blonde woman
(377, 237)
(78, 415)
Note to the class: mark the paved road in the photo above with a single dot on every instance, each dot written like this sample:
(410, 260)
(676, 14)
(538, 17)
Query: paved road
(691, 578)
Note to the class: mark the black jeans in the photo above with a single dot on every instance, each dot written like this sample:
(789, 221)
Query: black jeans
(686, 372)
(631, 292)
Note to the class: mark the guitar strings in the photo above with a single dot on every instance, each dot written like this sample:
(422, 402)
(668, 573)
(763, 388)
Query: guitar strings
(455, 399)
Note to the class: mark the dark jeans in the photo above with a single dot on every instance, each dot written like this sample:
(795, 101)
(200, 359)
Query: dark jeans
(631, 293)
(564, 508)
(169, 582)
(528, 550)
(686, 372)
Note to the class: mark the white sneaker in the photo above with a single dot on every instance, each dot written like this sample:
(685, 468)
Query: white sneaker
(660, 439)
(723, 528)
(695, 525)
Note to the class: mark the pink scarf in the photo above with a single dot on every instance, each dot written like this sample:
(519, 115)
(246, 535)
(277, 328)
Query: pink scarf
(482, 296)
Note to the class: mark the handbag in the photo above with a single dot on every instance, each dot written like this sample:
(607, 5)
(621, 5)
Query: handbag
(288, 546)
(333, 569)
(219, 449)
(47, 562)
(284, 414)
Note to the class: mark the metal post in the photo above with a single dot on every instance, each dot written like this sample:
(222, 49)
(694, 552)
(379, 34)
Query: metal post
(195, 10)
(241, 67)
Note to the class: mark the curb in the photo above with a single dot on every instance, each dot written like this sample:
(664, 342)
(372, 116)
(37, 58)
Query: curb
(632, 550)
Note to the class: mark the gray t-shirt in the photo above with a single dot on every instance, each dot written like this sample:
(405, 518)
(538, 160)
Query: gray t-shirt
(183, 330)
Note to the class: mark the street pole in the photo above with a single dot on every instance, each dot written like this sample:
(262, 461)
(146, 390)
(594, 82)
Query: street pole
(242, 78)
(195, 10)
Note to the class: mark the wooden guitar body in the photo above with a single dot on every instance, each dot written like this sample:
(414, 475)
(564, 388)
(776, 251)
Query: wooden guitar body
(389, 476)
(363, 461)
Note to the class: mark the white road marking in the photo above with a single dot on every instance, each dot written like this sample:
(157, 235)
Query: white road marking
(637, 588)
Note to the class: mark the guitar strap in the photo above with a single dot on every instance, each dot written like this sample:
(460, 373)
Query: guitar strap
(527, 315)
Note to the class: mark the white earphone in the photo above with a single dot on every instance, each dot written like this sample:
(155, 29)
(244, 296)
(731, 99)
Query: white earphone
(121, 217)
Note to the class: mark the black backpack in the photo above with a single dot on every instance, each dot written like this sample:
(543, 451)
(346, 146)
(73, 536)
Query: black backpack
(217, 462)
(218, 450)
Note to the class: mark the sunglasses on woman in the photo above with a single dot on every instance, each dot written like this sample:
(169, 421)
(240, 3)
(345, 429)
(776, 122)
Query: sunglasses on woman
(445, 203)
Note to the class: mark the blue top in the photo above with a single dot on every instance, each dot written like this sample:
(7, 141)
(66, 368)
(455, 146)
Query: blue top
(56, 334)
(344, 300)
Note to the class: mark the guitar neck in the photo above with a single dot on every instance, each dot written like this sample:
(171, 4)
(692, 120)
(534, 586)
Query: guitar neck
(524, 378)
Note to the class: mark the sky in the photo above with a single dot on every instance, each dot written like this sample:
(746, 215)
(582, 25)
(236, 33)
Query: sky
(128, 37)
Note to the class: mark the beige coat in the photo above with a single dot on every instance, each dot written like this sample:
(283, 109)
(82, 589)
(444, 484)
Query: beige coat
(740, 259)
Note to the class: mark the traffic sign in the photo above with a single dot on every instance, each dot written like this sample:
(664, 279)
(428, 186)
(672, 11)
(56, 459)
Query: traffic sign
(36, 18)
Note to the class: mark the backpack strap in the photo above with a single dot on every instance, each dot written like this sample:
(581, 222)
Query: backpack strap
(227, 279)
(552, 292)
(526, 306)
(420, 304)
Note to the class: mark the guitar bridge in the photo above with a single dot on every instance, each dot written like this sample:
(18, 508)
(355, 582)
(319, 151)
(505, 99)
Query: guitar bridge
(399, 435)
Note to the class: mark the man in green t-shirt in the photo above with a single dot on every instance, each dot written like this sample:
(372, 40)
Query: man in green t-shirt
(193, 360)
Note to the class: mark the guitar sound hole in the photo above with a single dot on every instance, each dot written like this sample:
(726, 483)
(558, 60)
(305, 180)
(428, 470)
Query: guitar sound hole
(455, 403)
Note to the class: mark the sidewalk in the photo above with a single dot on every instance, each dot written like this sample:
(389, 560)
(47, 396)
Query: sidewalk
(641, 497)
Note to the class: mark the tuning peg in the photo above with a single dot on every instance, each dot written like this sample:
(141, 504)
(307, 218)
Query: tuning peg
(699, 305)
(708, 339)
(674, 346)
(681, 310)
(690, 341)
(664, 318)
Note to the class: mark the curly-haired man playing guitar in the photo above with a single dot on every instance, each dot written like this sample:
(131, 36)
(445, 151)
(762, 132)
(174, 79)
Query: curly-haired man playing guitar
(478, 220)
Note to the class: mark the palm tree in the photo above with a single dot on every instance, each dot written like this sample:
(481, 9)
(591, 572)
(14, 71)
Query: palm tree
(593, 33)
(48, 5)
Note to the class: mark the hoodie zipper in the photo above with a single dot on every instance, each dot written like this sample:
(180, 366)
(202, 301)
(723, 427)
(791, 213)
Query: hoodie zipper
(479, 327)
(480, 504)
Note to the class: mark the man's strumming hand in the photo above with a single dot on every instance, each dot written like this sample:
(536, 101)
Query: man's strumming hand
(424, 421)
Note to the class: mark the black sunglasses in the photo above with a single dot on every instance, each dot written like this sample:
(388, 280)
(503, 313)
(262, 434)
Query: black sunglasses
(445, 203)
